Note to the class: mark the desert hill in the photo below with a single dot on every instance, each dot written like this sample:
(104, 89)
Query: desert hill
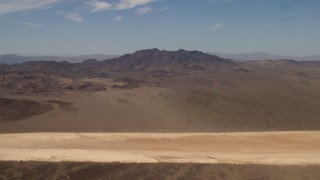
(154, 58)
(161, 91)
(42, 76)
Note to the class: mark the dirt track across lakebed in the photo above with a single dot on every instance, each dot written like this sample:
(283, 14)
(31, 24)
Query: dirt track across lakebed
(257, 148)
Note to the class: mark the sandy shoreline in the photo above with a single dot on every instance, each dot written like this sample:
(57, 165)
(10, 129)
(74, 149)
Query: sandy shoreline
(283, 148)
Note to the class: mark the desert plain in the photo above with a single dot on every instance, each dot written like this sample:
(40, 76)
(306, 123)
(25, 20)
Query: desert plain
(162, 115)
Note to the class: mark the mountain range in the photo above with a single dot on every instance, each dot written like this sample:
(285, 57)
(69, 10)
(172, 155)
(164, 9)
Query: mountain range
(264, 56)
(14, 59)
(143, 60)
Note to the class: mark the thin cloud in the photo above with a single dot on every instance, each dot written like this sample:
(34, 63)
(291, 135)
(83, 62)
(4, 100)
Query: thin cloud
(98, 5)
(216, 26)
(162, 9)
(10, 6)
(143, 10)
(117, 18)
(35, 25)
(129, 4)
(72, 16)
(213, 1)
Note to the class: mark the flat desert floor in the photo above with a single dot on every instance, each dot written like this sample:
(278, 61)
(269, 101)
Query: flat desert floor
(276, 148)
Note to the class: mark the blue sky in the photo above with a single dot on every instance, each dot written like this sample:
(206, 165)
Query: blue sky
(74, 27)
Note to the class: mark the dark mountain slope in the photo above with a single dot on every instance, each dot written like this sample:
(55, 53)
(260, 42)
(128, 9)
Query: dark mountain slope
(140, 60)
(154, 58)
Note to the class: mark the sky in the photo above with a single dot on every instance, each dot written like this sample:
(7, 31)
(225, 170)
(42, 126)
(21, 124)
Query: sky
(115, 27)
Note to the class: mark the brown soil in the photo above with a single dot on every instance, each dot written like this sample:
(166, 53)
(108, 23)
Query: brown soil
(269, 97)
(17, 109)
(95, 171)
(63, 105)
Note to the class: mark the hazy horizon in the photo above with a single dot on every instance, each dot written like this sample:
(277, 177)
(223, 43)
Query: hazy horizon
(103, 54)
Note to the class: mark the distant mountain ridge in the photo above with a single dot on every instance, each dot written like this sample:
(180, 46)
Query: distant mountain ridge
(264, 56)
(143, 60)
(161, 58)
(14, 59)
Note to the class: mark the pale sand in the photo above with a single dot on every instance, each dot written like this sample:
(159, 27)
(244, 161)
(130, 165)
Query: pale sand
(288, 148)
